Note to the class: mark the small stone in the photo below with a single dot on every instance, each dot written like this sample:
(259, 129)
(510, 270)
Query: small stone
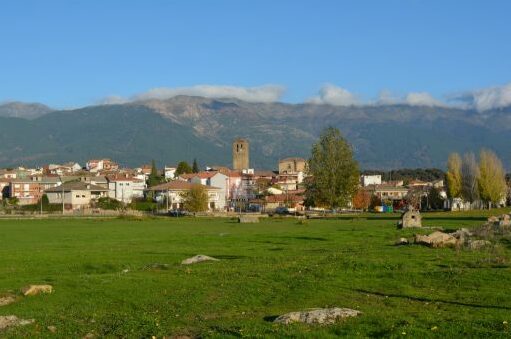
(246, 219)
(36, 289)
(493, 219)
(12, 320)
(52, 329)
(463, 234)
(197, 259)
(157, 266)
(475, 245)
(401, 241)
(89, 336)
(6, 300)
(318, 316)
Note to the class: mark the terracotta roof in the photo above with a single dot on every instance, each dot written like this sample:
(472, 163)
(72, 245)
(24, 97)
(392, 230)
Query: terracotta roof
(284, 198)
(265, 174)
(121, 177)
(293, 159)
(179, 186)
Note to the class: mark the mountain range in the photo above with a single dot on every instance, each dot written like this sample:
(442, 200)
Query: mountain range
(185, 127)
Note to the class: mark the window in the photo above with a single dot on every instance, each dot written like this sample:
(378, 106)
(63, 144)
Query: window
(77, 195)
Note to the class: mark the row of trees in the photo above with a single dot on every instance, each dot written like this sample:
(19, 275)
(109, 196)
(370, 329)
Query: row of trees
(476, 182)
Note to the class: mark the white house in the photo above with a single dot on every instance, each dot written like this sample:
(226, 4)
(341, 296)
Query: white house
(367, 180)
(209, 178)
(125, 188)
(170, 172)
(174, 190)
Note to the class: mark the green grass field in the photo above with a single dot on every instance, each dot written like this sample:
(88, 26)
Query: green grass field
(266, 269)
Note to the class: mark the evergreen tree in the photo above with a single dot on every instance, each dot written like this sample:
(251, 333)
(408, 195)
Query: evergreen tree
(334, 173)
(154, 177)
(195, 166)
(183, 168)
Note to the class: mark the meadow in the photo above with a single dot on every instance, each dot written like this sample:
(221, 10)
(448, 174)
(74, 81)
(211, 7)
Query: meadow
(123, 278)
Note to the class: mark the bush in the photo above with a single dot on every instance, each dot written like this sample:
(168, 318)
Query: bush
(109, 204)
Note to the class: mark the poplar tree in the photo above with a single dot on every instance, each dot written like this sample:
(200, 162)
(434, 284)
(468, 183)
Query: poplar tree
(334, 173)
(492, 178)
(453, 175)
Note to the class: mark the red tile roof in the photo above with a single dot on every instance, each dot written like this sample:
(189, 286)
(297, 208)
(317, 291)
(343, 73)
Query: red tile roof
(178, 185)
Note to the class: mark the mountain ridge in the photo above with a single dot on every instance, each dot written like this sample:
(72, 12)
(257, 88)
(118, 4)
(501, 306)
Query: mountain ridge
(184, 127)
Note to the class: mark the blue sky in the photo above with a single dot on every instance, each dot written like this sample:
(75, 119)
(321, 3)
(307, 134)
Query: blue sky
(72, 53)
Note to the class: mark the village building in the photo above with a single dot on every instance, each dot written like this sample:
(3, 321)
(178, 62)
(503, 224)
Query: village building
(30, 190)
(240, 154)
(367, 180)
(64, 169)
(291, 173)
(76, 195)
(125, 188)
(169, 172)
(173, 192)
(97, 165)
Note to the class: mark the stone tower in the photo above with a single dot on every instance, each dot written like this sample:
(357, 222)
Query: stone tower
(240, 154)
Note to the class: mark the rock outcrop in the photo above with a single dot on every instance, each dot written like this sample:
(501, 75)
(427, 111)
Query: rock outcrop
(36, 289)
(7, 321)
(320, 316)
(436, 239)
(197, 259)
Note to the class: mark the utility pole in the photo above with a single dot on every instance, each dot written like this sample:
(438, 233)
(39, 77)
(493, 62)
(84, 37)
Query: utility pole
(62, 186)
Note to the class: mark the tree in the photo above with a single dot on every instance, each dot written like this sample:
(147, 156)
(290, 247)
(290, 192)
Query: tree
(469, 178)
(195, 166)
(333, 171)
(375, 201)
(183, 168)
(414, 197)
(453, 175)
(492, 178)
(45, 202)
(196, 199)
(362, 199)
(435, 200)
(154, 177)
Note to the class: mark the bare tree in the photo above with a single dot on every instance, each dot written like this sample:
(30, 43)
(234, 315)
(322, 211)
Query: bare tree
(492, 178)
(469, 178)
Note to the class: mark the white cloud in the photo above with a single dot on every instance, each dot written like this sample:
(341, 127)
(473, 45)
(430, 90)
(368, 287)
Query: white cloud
(493, 97)
(387, 98)
(334, 95)
(112, 100)
(422, 99)
(266, 93)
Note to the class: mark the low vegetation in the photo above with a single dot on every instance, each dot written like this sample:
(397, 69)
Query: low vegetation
(123, 278)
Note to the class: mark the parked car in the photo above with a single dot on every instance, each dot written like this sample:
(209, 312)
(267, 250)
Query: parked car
(178, 213)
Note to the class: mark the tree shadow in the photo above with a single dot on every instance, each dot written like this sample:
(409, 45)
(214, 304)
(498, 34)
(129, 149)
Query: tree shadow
(424, 299)
(270, 318)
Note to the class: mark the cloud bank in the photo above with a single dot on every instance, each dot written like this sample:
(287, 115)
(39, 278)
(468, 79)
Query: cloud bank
(330, 94)
(333, 95)
(490, 98)
(266, 93)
